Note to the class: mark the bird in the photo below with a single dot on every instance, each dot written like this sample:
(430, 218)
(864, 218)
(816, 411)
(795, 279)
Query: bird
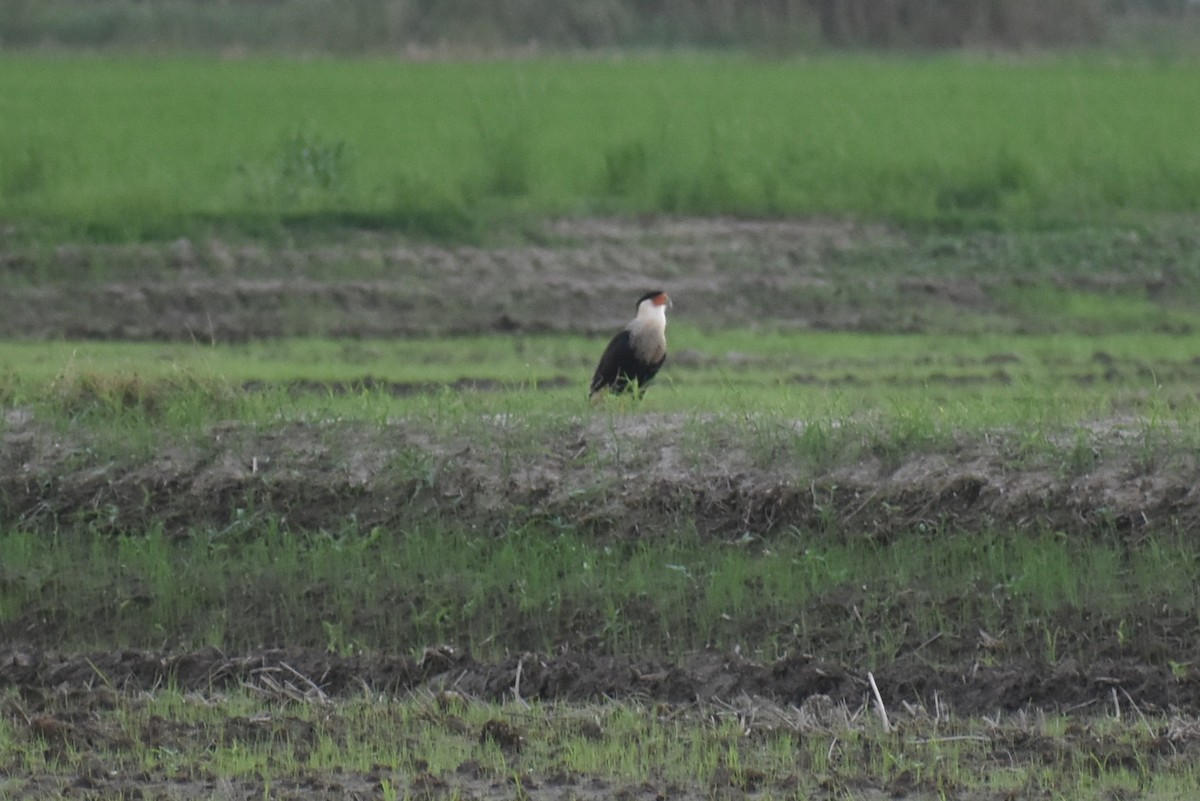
(634, 355)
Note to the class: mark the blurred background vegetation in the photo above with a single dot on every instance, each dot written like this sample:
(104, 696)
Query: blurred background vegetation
(483, 27)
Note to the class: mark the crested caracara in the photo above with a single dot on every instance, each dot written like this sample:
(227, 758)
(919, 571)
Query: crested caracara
(634, 355)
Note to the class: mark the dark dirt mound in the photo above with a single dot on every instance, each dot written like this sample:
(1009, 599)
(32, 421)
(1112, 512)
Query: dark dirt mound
(967, 689)
(618, 476)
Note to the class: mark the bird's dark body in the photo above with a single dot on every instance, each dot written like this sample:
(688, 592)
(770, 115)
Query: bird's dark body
(620, 368)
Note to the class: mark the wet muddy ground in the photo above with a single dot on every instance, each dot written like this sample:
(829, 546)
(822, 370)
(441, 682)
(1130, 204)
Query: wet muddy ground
(731, 273)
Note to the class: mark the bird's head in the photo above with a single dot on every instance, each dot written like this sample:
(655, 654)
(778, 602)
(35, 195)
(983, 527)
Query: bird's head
(655, 299)
(652, 308)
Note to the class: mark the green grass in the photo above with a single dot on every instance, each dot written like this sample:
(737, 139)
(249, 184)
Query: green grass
(404, 586)
(157, 147)
(954, 382)
(171, 741)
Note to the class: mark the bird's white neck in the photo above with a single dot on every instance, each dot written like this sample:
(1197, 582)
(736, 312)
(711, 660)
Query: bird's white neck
(651, 315)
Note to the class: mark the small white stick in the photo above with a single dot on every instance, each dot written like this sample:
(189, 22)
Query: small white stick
(1133, 705)
(879, 702)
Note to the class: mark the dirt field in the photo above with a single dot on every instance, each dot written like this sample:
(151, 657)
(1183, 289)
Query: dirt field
(812, 274)
(729, 272)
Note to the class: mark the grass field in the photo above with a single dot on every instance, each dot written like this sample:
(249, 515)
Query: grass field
(266, 530)
(111, 148)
